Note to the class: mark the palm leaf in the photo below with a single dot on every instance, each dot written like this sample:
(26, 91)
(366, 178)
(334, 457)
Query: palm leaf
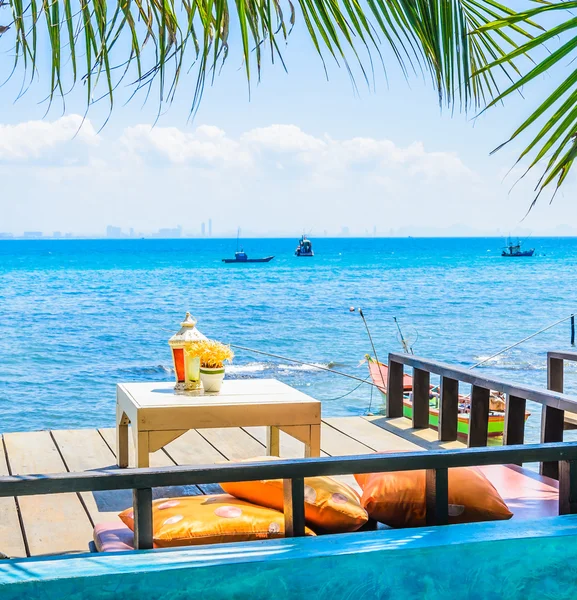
(555, 141)
(118, 37)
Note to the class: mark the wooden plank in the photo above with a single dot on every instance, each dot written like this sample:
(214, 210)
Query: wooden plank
(85, 450)
(291, 448)
(121, 437)
(554, 373)
(246, 471)
(294, 507)
(570, 421)
(233, 443)
(449, 410)
(159, 439)
(11, 539)
(273, 441)
(299, 412)
(373, 462)
(514, 421)
(437, 496)
(158, 459)
(567, 487)
(142, 502)
(546, 397)
(552, 419)
(479, 417)
(552, 426)
(417, 439)
(421, 381)
(54, 524)
(369, 434)
(395, 389)
(336, 443)
(571, 355)
(192, 449)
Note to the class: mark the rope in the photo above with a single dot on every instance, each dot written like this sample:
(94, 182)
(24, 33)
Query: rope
(374, 385)
(348, 393)
(370, 402)
(301, 362)
(521, 341)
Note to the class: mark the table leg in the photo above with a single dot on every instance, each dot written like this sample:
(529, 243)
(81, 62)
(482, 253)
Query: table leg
(141, 447)
(313, 448)
(273, 441)
(121, 438)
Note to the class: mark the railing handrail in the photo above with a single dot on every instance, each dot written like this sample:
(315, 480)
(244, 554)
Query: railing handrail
(118, 479)
(546, 397)
(563, 355)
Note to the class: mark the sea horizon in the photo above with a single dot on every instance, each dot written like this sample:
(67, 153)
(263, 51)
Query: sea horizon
(89, 237)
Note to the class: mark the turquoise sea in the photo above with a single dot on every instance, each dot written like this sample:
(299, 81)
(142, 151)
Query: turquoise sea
(78, 316)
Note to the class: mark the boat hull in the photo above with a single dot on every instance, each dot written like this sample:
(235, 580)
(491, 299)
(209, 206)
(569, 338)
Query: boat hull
(379, 373)
(248, 260)
(519, 254)
(495, 428)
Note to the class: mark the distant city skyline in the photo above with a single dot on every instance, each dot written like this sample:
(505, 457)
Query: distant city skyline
(113, 232)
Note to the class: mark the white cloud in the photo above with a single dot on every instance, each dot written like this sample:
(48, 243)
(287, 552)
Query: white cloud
(285, 146)
(282, 138)
(206, 146)
(266, 179)
(34, 139)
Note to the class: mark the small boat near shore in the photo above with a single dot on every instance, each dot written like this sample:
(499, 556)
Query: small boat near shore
(379, 373)
(305, 247)
(514, 250)
(241, 257)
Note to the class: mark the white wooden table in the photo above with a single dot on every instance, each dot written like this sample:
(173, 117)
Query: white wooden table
(158, 415)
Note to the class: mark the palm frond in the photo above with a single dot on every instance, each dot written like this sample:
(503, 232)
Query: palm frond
(555, 143)
(147, 42)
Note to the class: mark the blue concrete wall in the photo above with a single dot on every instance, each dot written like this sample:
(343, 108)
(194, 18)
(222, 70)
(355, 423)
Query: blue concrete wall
(504, 560)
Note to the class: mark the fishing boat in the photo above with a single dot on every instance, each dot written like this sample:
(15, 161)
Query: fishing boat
(240, 256)
(514, 249)
(379, 373)
(305, 248)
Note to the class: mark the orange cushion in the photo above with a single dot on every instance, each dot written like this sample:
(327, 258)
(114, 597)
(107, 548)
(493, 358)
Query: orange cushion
(194, 520)
(398, 499)
(330, 505)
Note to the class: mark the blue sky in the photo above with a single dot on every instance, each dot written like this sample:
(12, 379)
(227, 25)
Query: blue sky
(302, 153)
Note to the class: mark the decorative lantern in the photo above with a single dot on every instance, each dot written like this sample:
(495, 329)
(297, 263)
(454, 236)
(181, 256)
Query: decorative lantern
(186, 364)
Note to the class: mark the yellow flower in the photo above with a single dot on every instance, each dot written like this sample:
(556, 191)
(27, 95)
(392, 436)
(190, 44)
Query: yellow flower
(212, 354)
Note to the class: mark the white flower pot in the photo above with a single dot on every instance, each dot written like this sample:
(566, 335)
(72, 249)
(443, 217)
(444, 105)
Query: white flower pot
(211, 378)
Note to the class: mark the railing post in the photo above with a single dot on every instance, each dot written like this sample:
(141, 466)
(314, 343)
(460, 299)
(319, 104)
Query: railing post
(552, 419)
(437, 497)
(395, 389)
(449, 410)
(514, 421)
(567, 487)
(142, 507)
(421, 385)
(294, 507)
(479, 417)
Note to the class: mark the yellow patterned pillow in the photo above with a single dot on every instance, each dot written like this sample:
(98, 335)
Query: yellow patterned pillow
(195, 520)
(330, 505)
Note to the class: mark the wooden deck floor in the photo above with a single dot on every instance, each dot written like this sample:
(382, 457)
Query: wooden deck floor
(63, 523)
